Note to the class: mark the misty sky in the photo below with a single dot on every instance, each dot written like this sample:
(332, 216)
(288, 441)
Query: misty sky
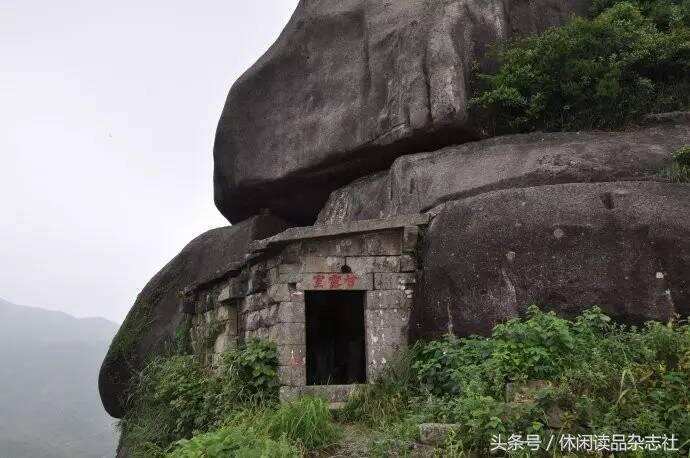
(107, 117)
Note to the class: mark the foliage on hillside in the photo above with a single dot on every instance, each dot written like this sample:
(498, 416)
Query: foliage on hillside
(540, 375)
(177, 397)
(631, 58)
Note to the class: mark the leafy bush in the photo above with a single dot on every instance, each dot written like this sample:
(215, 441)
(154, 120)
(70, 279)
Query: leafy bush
(594, 73)
(682, 156)
(590, 374)
(679, 171)
(169, 402)
(176, 397)
(251, 372)
(234, 442)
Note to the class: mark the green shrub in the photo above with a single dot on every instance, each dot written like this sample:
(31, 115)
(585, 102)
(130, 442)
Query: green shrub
(177, 397)
(251, 372)
(679, 171)
(592, 73)
(682, 156)
(234, 442)
(595, 376)
(169, 402)
(306, 422)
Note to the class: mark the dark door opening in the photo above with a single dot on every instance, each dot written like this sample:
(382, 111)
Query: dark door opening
(335, 337)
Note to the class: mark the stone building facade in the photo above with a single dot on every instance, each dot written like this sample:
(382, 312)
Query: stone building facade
(335, 300)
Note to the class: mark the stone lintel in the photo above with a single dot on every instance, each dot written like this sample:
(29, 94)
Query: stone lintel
(312, 232)
(329, 393)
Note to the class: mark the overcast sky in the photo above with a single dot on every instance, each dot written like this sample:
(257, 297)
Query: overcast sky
(107, 116)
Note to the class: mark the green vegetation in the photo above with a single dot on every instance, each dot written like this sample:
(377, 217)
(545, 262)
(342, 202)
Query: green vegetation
(290, 431)
(679, 170)
(176, 397)
(537, 375)
(136, 322)
(631, 58)
(540, 375)
(180, 408)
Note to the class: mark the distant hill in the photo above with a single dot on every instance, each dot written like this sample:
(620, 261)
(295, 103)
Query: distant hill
(49, 404)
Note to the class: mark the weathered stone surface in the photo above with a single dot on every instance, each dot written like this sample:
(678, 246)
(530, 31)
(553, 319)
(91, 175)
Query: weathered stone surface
(349, 86)
(624, 246)
(418, 182)
(389, 300)
(398, 281)
(151, 323)
(329, 393)
(366, 264)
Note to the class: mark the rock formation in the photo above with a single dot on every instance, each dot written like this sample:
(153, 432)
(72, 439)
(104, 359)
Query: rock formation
(418, 182)
(150, 326)
(367, 102)
(623, 246)
(351, 85)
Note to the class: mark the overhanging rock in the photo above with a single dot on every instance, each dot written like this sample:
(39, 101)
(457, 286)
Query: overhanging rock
(350, 85)
(151, 323)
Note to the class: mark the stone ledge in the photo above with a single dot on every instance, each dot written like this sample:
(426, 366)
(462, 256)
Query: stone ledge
(329, 393)
(312, 232)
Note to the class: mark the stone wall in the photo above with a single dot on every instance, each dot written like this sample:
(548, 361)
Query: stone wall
(266, 298)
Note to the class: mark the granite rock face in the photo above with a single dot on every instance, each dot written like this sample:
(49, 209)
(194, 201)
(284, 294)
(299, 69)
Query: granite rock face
(624, 246)
(349, 86)
(151, 323)
(418, 182)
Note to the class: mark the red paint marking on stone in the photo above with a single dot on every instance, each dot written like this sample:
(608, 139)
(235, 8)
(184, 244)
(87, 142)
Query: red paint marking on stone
(335, 281)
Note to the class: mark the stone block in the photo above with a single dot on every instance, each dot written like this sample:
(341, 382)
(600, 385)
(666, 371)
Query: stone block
(226, 312)
(292, 253)
(410, 238)
(389, 299)
(216, 360)
(227, 339)
(258, 278)
(272, 276)
(292, 375)
(290, 312)
(288, 334)
(322, 263)
(279, 293)
(437, 434)
(255, 302)
(386, 327)
(378, 356)
(255, 320)
(236, 288)
(393, 281)
(292, 355)
(408, 263)
(371, 264)
(352, 245)
(289, 273)
(388, 243)
(336, 281)
(329, 393)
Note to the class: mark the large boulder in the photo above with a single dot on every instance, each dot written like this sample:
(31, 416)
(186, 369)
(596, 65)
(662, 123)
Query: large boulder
(349, 85)
(622, 246)
(151, 323)
(418, 182)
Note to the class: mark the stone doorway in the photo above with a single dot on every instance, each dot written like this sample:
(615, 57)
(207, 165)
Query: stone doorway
(335, 337)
